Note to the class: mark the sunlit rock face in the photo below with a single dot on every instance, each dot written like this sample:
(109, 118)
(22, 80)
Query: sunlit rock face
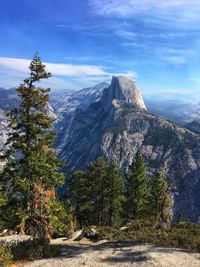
(124, 89)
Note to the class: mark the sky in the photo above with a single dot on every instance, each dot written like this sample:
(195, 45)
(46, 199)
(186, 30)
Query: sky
(85, 42)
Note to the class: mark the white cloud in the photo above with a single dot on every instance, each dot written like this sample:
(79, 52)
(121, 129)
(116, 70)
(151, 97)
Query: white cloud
(21, 65)
(184, 12)
(14, 70)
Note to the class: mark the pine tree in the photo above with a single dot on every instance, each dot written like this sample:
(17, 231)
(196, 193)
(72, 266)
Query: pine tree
(137, 204)
(107, 192)
(161, 203)
(98, 194)
(80, 195)
(157, 193)
(98, 176)
(61, 219)
(115, 186)
(31, 165)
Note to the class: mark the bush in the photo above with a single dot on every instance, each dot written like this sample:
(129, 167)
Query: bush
(183, 235)
(26, 247)
(5, 256)
(36, 249)
(61, 218)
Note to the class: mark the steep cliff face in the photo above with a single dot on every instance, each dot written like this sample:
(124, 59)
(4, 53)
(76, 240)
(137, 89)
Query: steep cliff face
(86, 129)
(125, 90)
(4, 131)
(68, 105)
(3, 128)
(118, 125)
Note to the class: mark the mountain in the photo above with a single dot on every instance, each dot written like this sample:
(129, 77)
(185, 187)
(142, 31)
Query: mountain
(62, 106)
(194, 126)
(3, 128)
(83, 139)
(69, 100)
(113, 121)
(67, 105)
(126, 91)
(3, 131)
(178, 110)
(8, 99)
(118, 125)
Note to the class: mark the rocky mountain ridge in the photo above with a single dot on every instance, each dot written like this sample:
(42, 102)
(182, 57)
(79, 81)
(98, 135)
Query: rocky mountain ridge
(116, 127)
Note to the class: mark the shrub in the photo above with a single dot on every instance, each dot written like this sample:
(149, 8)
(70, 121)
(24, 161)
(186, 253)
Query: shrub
(5, 256)
(60, 217)
(26, 247)
(183, 235)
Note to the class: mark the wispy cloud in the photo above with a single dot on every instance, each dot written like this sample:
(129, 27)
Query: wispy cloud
(94, 58)
(185, 11)
(21, 65)
(97, 79)
(64, 75)
(125, 34)
(195, 79)
(176, 56)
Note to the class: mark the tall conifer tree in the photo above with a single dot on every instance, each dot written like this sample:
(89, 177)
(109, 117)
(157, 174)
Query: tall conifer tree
(115, 185)
(157, 193)
(107, 192)
(161, 202)
(137, 189)
(98, 176)
(31, 169)
(98, 194)
(80, 193)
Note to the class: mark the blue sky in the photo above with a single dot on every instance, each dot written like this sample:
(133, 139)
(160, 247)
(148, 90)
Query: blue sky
(85, 42)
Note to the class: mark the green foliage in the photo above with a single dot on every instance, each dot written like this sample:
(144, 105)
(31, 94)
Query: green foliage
(97, 195)
(5, 256)
(31, 165)
(79, 192)
(157, 193)
(161, 202)
(38, 249)
(98, 176)
(161, 136)
(2, 199)
(28, 249)
(182, 235)
(115, 194)
(107, 192)
(60, 217)
(138, 183)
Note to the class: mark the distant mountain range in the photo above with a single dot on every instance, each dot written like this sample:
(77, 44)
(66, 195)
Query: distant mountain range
(113, 121)
(68, 100)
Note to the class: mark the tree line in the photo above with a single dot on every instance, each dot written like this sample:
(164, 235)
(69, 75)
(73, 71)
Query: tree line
(32, 174)
(102, 196)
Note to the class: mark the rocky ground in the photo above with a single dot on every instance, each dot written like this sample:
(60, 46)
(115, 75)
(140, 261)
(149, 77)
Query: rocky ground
(105, 254)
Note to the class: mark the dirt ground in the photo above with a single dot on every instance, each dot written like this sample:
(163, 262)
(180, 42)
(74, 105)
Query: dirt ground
(123, 254)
